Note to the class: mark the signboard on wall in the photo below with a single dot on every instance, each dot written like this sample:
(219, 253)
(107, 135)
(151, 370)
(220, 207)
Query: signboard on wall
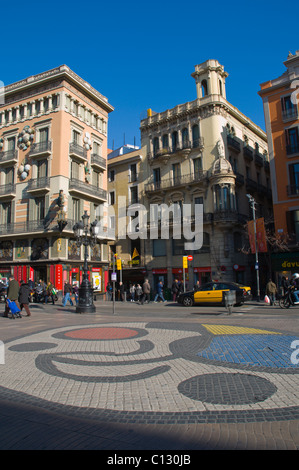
(58, 276)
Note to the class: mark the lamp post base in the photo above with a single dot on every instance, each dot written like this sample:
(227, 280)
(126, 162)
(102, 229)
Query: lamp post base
(85, 304)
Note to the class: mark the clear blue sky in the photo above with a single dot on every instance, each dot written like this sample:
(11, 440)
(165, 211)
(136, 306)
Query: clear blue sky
(141, 55)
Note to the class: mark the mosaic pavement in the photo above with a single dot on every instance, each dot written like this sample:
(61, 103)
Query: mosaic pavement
(155, 372)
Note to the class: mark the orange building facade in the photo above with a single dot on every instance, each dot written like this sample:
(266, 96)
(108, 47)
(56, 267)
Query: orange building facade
(280, 100)
(53, 167)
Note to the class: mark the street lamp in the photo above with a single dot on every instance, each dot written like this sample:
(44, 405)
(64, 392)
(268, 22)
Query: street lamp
(86, 234)
(253, 204)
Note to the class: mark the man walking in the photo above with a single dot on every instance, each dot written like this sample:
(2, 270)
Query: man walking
(67, 294)
(12, 293)
(271, 291)
(24, 293)
(146, 288)
(159, 292)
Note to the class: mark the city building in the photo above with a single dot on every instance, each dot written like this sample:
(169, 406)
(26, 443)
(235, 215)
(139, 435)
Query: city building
(206, 152)
(53, 167)
(125, 189)
(280, 101)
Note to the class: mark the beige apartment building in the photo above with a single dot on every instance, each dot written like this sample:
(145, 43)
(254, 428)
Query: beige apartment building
(126, 189)
(208, 152)
(53, 167)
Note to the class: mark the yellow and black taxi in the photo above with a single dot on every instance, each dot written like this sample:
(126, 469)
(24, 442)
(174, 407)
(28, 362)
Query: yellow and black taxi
(214, 293)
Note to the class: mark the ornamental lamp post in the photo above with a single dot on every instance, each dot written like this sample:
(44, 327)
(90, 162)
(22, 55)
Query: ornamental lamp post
(86, 234)
(253, 206)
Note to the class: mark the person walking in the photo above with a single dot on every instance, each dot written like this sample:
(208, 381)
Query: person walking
(121, 291)
(139, 292)
(132, 292)
(76, 292)
(271, 291)
(159, 292)
(67, 291)
(109, 291)
(49, 292)
(146, 288)
(24, 293)
(12, 293)
(175, 289)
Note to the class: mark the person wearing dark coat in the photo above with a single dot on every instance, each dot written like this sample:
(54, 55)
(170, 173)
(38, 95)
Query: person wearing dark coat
(12, 293)
(24, 293)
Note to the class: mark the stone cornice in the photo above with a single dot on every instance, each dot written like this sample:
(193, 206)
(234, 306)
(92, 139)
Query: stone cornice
(63, 72)
(202, 108)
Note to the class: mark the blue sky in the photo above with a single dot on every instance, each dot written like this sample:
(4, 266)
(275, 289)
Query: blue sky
(141, 55)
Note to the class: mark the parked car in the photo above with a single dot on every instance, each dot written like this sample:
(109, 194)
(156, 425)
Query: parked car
(214, 293)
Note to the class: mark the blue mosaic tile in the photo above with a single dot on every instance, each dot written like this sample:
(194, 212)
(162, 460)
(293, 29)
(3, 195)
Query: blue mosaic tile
(254, 350)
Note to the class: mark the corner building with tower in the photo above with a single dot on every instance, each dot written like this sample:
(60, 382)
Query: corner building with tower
(206, 152)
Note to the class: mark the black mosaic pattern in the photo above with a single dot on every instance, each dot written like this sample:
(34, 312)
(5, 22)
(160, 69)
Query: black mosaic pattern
(227, 389)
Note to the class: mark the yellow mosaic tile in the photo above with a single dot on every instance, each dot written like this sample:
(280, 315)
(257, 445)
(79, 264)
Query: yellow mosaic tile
(236, 330)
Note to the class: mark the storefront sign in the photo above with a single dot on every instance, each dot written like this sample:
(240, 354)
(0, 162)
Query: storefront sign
(58, 276)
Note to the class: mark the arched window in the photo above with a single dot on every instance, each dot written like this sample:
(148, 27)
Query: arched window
(155, 145)
(204, 88)
(175, 140)
(165, 141)
(185, 137)
(195, 136)
(220, 88)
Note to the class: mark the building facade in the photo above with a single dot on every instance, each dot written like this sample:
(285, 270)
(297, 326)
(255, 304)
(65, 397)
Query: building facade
(205, 152)
(125, 194)
(280, 101)
(53, 167)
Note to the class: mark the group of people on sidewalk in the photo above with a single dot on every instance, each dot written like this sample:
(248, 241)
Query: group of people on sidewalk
(20, 294)
(141, 294)
(272, 290)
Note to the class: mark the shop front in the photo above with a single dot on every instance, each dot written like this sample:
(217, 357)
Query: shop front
(284, 264)
(202, 275)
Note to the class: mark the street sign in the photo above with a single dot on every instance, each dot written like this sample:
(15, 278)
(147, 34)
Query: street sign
(185, 262)
(118, 264)
(190, 258)
(113, 276)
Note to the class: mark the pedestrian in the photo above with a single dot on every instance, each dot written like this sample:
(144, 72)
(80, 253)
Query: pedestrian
(12, 293)
(159, 292)
(121, 291)
(285, 283)
(139, 292)
(76, 292)
(24, 293)
(295, 284)
(49, 292)
(132, 292)
(271, 291)
(109, 291)
(67, 291)
(146, 288)
(175, 289)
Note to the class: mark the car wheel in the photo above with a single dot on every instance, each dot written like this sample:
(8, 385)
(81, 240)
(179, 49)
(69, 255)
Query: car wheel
(187, 302)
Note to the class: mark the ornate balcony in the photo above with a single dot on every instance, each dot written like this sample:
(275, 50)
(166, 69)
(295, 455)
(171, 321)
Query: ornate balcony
(7, 191)
(76, 150)
(41, 149)
(233, 143)
(248, 153)
(9, 156)
(89, 191)
(97, 161)
(39, 185)
(165, 184)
